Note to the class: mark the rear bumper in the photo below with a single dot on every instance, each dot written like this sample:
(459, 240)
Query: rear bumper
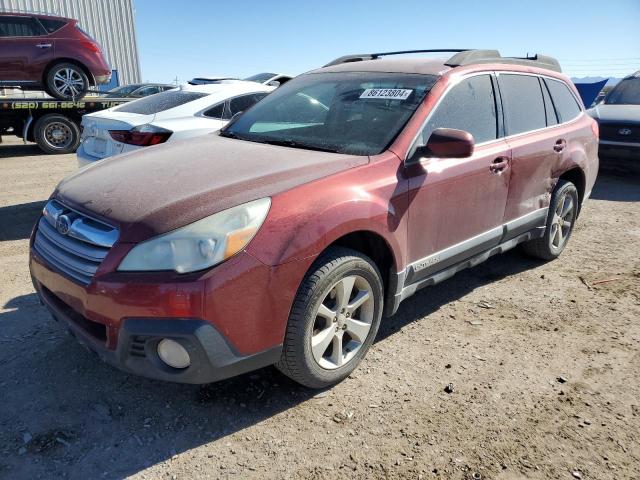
(103, 78)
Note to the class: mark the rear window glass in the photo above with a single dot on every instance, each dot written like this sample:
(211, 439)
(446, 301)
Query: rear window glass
(160, 102)
(566, 104)
(523, 103)
(51, 25)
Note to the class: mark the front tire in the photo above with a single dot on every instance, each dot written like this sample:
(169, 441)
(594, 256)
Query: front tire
(563, 212)
(334, 319)
(67, 81)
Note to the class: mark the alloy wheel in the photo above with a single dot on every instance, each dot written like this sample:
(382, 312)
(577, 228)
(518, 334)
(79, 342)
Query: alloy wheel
(562, 221)
(343, 321)
(68, 82)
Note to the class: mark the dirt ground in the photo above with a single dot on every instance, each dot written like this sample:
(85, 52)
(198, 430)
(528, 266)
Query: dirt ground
(543, 359)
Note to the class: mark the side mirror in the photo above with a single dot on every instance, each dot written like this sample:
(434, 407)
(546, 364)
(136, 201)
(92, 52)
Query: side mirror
(273, 83)
(447, 143)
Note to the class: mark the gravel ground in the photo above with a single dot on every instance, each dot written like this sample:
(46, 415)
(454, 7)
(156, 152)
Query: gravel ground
(542, 358)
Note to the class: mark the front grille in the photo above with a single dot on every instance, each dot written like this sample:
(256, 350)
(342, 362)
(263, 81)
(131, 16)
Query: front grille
(611, 132)
(71, 242)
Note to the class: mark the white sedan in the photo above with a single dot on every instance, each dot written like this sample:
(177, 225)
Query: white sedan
(176, 114)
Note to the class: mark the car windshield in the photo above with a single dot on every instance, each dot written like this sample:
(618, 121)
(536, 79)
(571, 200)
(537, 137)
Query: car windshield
(627, 92)
(125, 90)
(358, 113)
(260, 77)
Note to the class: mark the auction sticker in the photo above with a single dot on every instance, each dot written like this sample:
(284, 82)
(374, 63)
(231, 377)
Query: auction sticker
(387, 93)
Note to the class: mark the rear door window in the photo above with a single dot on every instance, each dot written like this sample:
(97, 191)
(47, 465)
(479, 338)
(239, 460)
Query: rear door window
(522, 103)
(160, 102)
(566, 104)
(19, 27)
(469, 106)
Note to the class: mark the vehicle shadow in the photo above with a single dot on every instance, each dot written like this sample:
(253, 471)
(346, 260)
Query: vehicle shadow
(617, 187)
(100, 413)
(17, 221)
(13, 149)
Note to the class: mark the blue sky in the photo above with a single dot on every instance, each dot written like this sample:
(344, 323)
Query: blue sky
(239, 38)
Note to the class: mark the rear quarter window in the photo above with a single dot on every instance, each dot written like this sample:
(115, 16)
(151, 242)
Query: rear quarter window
(523, 104)
(566, 104)
(160, 102)
(51, 25)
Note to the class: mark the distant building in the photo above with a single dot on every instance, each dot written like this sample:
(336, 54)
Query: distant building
(110, 22)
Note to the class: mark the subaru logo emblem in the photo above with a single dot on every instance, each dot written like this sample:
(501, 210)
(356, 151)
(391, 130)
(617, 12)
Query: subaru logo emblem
(63, 223)
(624, 131)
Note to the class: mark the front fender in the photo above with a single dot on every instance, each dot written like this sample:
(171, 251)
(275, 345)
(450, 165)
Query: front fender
(304, 221)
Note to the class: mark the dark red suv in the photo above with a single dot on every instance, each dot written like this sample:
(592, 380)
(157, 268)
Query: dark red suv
(52, 53)
(284, 238)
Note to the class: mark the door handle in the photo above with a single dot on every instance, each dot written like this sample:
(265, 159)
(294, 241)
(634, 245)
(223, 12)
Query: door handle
(499, 165)
(43, 45)
(560, 144)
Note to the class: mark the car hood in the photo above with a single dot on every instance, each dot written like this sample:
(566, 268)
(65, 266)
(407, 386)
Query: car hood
(616, 113)
(161, 188)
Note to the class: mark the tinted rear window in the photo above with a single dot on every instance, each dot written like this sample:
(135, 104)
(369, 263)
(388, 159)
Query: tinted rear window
(522, 102)
(566, 104)
(160, 102)
(51, 25)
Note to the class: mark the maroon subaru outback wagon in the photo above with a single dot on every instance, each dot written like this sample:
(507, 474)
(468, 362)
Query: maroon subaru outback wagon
(285, 238)
(51, 53)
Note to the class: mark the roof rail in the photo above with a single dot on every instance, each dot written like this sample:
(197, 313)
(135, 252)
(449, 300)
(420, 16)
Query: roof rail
(374, 56)
(472, 57)
(462, 57)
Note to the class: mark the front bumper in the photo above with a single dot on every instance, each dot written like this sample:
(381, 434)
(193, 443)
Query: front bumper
(230, 319)
(212, 358)
(619, 155)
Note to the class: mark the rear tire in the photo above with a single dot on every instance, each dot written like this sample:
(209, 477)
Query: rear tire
(563, 211)
(66, 81)
(56, 134)
(334, 319)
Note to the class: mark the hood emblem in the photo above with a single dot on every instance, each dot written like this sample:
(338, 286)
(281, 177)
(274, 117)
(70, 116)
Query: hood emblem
(63, 224)
(625, 131)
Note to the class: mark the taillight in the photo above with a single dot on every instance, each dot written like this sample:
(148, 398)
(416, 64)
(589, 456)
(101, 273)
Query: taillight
(91, 46)
(595, 128)
(142, 136)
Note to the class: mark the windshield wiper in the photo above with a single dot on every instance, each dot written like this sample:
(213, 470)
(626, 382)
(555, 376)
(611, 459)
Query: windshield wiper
(294, 144)
(228, 134)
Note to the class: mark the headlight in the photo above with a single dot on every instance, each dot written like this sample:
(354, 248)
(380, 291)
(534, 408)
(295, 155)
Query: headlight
(201, 244)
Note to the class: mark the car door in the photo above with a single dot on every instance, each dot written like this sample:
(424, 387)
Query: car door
(24, 49)
(456, 206)
(535, 146)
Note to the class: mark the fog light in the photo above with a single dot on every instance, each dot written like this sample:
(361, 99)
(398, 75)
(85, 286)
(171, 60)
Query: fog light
(173, 354)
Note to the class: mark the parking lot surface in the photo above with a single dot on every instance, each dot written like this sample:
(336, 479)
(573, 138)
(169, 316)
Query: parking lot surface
(541, 360)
